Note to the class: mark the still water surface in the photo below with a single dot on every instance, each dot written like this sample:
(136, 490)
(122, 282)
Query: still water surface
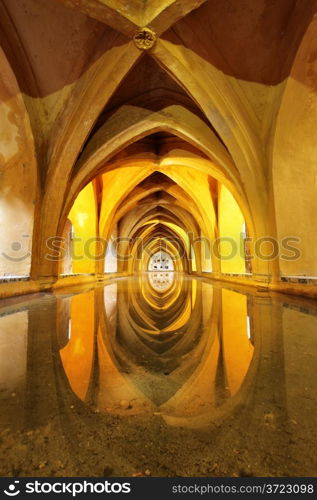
(181, 350)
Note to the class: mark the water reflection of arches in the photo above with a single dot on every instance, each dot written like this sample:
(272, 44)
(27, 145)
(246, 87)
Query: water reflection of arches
(187, 364)
(257, 420)
(161, 281)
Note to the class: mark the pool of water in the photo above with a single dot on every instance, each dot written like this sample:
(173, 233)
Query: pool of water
(161, 373)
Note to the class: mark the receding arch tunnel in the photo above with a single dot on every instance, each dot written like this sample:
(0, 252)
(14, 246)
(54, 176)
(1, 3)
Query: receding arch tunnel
(143, 206)
(158, 265)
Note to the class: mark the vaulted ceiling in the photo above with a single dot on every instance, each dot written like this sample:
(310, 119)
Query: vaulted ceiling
(111, 81)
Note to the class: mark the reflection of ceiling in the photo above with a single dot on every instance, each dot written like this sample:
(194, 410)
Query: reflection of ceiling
(184, 351)
(161, 281)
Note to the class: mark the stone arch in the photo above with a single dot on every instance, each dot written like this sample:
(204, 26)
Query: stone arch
(115, 135)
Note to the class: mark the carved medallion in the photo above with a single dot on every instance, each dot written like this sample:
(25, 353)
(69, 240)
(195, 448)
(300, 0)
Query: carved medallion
(144, 39)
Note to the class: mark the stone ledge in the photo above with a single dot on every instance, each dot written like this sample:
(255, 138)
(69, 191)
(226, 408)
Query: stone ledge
(309, 280)
(11, 279)
(25, 285)
(299, 285)
(291, 285)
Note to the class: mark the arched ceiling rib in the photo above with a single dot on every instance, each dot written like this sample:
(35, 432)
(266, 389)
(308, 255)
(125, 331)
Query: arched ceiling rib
(224, 64)
(161, 14)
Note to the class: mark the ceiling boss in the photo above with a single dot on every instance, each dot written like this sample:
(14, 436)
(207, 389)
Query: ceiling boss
(145, 38)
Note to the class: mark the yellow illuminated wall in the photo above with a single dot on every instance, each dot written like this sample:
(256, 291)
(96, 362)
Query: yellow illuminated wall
(84, 219)
(231, 224)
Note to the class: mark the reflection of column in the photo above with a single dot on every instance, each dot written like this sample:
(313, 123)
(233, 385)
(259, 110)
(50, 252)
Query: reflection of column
(114, 385)
(13, 350)
(300, 347)
(264, 413)
(13, 365)
(42, 400)
(110, 304)
(63, 326)
(268, 326)
(51, 405)
(207, 292)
